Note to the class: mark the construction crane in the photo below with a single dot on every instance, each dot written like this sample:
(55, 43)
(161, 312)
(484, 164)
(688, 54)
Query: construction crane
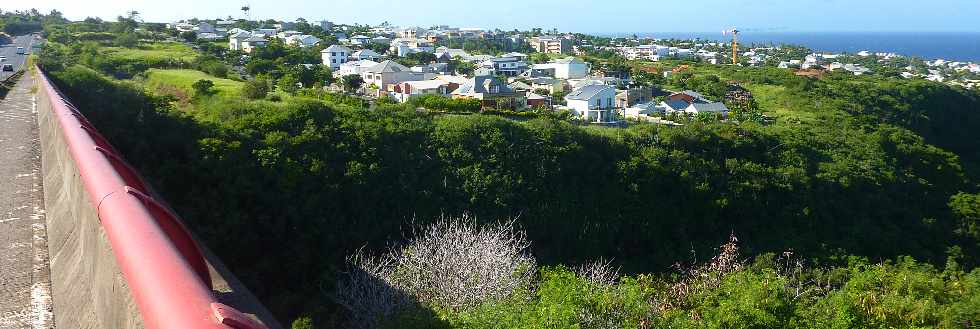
(734, 31)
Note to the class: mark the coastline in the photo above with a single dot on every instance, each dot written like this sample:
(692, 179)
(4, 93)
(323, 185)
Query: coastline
(957, 46)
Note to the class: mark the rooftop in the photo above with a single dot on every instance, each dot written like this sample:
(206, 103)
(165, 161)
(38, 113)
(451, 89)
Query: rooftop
(587, 92)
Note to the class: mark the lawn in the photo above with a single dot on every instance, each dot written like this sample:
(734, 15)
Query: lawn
(167, 81)
(156, 51)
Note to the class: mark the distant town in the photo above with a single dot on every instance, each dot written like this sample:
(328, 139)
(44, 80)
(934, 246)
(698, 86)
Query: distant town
(530, 69)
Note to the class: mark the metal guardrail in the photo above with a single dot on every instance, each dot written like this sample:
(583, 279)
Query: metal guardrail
(162, 264)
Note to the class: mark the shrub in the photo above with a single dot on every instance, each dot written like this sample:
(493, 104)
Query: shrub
(453, 263)
(255, 89)
(202, 87)
(441, 103)
(600, 273)
(127, 40)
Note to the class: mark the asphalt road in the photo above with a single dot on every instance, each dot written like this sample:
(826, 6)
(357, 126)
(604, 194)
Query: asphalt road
(24, 276)
(10, 52)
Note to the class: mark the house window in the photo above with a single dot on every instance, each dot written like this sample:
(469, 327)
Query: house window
(333, 60)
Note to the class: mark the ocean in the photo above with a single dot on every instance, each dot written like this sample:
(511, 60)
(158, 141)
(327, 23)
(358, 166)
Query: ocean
(958, 46)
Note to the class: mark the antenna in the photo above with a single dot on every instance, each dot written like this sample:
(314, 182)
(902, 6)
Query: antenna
(245, 9)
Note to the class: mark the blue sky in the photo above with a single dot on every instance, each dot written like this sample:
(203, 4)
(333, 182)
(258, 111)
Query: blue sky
(579, 16)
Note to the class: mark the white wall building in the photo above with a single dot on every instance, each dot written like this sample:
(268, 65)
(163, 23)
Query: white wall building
(354, 67)
(567, 68)
(595, 103)
(389, 72)
(366, 54)
(335, 55)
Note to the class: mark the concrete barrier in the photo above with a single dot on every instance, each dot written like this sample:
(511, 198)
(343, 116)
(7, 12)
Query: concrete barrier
(89, 287)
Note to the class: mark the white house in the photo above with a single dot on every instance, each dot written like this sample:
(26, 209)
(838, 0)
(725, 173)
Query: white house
(354, 67)
(366, 54)
(266, 32)
(452, 53)
(381, 40)
(595, 103)
(335, 55)
(405, 46)
(645, 111)
(405, 90)
(389, 73)
(519, 56)
(302, 40)
(236, 40)
(286, 34)
(567, 68)
(359, 40)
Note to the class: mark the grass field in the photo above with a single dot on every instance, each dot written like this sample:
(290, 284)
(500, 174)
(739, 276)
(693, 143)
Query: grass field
(157, 51)
(167, 80)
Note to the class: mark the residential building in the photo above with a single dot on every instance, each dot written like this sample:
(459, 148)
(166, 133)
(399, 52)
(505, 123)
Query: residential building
(451, 53)
(286, 34)
(633, 96)
(644, 111)
(354, 67)
(412, 32)
(335, 55)
(405, 46)
(326, 25)
(520, 86)
(381, 40)
(209, 36)
(593, 103)
(405, 90)
(303, 41)
(506, 66)
(360, 40)
(365, 54)
(285, 26)
(552, 85)
(689, 102)
(389, 73)
(566, 68)
(519, 56)
(237, 40)
(205, 27)
(266, 32)
(438, 68)
(538, 101)
(491, 92)
(550, 44)
(253, 42)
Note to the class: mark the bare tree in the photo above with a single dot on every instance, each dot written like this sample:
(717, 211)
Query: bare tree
(702, 278)
(454, 263)
(600, 272)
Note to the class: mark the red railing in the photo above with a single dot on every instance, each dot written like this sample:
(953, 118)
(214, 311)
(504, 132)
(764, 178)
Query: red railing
(162, 264)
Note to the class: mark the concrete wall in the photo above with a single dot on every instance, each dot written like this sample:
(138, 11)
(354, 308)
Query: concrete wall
(88, 289)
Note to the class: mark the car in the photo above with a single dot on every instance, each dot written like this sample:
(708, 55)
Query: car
(20, 50)
(8, 67)
(3, 59)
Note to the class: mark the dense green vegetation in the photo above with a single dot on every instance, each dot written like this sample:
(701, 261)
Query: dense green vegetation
(724, 292)
(854, 172)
